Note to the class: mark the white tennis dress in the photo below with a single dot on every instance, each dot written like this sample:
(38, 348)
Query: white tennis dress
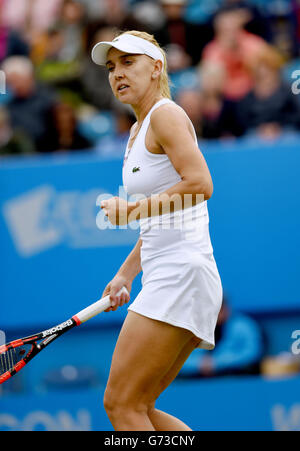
(180, 283)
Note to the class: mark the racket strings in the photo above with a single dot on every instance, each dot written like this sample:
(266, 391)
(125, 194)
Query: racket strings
(11, 357)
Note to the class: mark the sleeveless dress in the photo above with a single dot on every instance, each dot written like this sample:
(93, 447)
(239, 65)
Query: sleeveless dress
(180, 282)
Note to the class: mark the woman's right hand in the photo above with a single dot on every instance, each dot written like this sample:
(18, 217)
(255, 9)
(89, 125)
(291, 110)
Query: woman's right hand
(113, 288)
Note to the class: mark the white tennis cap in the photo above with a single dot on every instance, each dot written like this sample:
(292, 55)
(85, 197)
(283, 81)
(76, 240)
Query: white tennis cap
(126, 43)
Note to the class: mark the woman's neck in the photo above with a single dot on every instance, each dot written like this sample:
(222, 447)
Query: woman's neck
(142, 109)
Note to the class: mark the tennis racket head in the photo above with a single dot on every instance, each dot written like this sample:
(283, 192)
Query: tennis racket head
(15, 355)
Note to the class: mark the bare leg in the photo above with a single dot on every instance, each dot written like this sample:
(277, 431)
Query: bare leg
(163, 421)
(145, 352)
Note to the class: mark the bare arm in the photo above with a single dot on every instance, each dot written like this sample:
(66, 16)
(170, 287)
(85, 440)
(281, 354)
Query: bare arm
(124, 277)
(132, 265)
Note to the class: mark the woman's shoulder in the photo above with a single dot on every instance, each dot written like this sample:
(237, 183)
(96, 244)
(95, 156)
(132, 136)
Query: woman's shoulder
(170, 115)
(168, 112)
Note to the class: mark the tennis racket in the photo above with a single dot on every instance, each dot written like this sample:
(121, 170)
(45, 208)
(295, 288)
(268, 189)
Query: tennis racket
(15, 355)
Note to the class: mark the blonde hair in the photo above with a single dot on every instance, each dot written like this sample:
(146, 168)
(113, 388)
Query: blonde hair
(164, 82)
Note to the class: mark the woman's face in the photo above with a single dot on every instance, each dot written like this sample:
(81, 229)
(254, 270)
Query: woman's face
(130, 76)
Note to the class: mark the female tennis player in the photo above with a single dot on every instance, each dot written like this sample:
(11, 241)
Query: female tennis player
(177, 308)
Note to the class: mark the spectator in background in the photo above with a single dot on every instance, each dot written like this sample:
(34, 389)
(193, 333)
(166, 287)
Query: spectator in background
(72, 23)
(117, 14)
(47, 48)
(176, 30)
(11, 42)
(58, 52)
(239, 348)
(113, 146)
(13, 142)
(236, 50)
(149, 13)
(218, 112)
(95, 86)
(177, 58)
(94, 8)
(256, 22)
(213, 115)
(191, 101)
(64, 135)
(270, 108)
(68, 34)
(30, 17)
(30, 107)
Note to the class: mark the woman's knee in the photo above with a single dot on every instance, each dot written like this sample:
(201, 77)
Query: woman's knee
(121, 404)
(108, 401)
(151, 407)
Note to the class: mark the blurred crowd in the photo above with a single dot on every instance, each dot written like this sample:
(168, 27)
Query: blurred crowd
(230, 63)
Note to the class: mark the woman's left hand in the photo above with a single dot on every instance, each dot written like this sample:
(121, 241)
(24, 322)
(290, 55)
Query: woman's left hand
(117, 210)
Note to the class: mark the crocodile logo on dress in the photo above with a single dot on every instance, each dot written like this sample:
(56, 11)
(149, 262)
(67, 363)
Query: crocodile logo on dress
(136, 169)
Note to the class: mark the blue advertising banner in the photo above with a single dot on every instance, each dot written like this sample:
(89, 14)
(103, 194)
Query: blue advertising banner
(255, 223)
(55, 260)
(231, 404)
